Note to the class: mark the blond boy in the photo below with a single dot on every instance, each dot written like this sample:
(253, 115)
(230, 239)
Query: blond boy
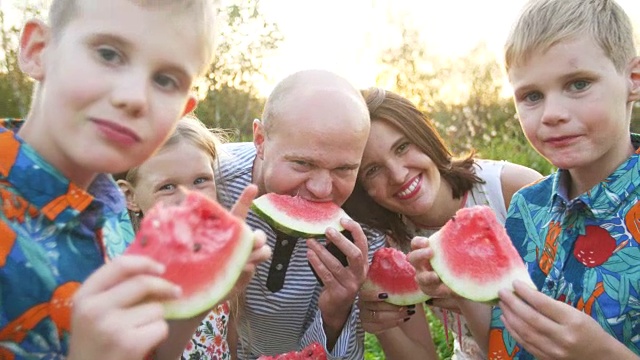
(576, 75)
(113, 79)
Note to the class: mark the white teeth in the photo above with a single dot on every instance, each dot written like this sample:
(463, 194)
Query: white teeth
(410, 189)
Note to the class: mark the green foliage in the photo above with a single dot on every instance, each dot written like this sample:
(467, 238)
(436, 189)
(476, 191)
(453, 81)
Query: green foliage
(15, 87)
(231, 100)
(443, 343)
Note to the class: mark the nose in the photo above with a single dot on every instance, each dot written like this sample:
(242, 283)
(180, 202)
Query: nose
(130, 94)
(555, 110)
(397, 172)
(320, 185)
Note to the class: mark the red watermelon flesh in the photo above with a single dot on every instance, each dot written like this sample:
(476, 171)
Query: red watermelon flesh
(474, 256)
(314, 351)
(202, 245)
(297, 216)
(390, 272)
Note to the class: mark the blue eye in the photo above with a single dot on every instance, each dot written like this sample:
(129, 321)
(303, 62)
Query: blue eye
(167, 187)
(109, 55)
(580, 85)
(200, 180)
(533, 96)
(165, 81)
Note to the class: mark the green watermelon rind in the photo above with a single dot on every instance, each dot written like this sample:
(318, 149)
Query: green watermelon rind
(412, 298)
(469, 288)
(220, 287)
(292, 226)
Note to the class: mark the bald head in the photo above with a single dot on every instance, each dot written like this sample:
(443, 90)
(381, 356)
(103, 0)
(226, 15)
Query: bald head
(316, 89)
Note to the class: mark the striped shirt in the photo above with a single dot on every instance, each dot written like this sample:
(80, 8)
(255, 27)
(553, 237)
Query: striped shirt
(289, 319)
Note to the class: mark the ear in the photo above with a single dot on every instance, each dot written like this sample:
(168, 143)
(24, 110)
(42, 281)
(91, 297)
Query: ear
(34, 39)
(259, 137)
(634, 77)
(129, 195)
(192, 102)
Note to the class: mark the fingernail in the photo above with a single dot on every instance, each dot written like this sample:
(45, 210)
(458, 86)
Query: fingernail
(383, 296)
(406, 319)
(177, 291)
(411, 312)
(411, 306)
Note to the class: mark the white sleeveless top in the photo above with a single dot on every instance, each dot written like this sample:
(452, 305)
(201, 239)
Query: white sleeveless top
(489, 193)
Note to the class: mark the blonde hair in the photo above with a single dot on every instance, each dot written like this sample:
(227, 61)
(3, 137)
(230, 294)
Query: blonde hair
(191, 129)
(202, 12)
(544, 23)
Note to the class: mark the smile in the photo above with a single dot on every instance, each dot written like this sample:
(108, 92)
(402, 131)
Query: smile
(410, 190)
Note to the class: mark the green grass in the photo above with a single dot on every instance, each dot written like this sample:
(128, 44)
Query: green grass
(444, 348)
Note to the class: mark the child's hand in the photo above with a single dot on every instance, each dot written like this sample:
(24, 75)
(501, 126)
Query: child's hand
(118, 312)
(261, 251)
(428, 280)
(551, 329)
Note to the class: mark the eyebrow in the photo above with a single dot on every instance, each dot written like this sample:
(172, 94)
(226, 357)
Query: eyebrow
(314, 162)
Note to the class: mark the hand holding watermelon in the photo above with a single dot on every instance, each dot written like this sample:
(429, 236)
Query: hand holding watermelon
(472, 254)
(204, 248)
(117, 312)
(341, 284)
(546, 327)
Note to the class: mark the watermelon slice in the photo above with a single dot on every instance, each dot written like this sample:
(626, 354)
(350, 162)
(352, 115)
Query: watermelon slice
(474, 256)
(390, 272)
(314, 351)
(298, 217)
(202, 245)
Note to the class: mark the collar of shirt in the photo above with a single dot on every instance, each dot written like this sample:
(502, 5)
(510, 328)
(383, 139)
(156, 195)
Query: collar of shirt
(608, 195)
(43, 186)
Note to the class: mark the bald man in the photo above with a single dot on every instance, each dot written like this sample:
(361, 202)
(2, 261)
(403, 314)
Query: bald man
(309, 143)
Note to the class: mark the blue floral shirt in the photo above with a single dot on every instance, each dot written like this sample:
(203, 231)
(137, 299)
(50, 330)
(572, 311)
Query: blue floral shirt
(53, 235)
(584, 252)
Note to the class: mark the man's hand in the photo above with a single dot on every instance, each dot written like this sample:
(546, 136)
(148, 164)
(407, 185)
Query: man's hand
(341, 284)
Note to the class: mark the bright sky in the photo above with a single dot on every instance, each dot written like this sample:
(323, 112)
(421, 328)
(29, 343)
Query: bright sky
(347, 36)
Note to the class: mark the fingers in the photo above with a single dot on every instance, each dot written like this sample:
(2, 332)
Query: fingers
(243, 204)
(377, 317)
(117, 271)
(359, 238)
(419, 242)
(525, 323)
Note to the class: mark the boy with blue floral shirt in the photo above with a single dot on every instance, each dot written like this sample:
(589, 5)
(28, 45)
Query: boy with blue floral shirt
(576, 75)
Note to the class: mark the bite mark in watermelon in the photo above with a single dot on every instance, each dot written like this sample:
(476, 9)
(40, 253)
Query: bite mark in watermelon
(202, 245)
(474, 256)
(390, 272)
(313, 351)
(296, 216)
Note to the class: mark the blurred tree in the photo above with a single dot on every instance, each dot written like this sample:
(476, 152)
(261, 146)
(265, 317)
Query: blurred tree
(15, 86)
(463, 97)
(231, 100)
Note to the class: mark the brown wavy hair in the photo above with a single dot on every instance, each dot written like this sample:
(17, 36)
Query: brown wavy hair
(420, 131)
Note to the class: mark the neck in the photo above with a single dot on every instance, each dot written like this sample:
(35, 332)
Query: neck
(443, 209)
(34, 134)
(584, 178)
